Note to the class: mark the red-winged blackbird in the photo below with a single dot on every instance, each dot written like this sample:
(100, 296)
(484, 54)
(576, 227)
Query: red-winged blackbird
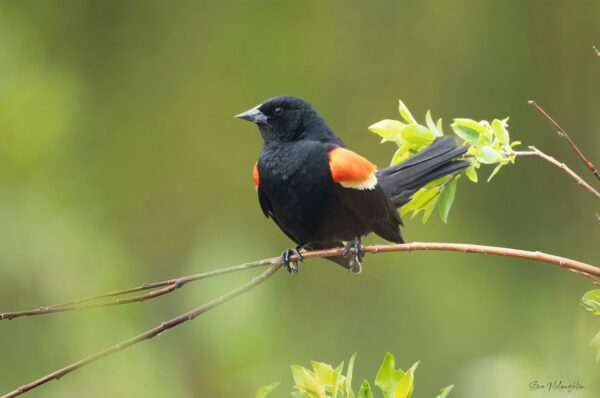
(322, 195)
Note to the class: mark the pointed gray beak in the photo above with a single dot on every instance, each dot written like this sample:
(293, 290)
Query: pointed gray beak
(254, 115)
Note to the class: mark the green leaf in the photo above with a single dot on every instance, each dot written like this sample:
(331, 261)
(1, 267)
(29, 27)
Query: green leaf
(447, 198)
(405, 387)
(337, 381)
(429, 209)
(323, 371)
(307, 381)
(420, 200)
(438, 182)
(500, 132)
(406, 113)
(472, 124)
(445, 391)
(471, 173)
(467, 134)
(386, 376)
(439, 126)
(431, 126)
(394, 383)
(489, 155)
(348, 387)
(417, 134)
(496, 170)
(591, 302)
(365, 390)
(424, 196)
(485, 137)
(401, 154)
(468, 129)
(263, 391)
(596, 344)
(390, 130)
(407, 208)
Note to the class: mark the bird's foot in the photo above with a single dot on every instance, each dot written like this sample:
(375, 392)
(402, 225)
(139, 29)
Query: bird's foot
(291, 266)
(357, 255)
(359, 249)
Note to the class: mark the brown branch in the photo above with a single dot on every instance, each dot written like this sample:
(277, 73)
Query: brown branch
(536, 152)
(188, 316)
(575, 266)
(563, 134)
(166, 287)
(72, 307)
(170, 285)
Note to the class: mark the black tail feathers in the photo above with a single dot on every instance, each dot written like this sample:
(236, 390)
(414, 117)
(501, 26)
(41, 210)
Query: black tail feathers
(401, 181)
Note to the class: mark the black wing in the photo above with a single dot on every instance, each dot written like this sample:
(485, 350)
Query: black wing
(267, 209)
(265, 205)
(374, 208)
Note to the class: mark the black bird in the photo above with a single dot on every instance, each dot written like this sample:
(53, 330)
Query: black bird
(321, 194)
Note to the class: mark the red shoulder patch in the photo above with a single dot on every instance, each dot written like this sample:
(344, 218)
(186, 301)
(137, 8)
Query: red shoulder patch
(255, 176)
(351, 170)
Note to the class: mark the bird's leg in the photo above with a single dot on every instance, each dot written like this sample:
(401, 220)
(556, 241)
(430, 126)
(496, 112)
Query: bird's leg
(356, 244)
(292, 266)
(358, 254)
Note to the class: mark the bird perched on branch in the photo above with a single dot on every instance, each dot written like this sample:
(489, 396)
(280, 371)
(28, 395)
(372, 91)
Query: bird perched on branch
(323, 195)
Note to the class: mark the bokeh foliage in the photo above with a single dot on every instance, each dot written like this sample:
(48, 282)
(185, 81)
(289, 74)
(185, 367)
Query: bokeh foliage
(120, 162)
(324, 381)
(591, 302)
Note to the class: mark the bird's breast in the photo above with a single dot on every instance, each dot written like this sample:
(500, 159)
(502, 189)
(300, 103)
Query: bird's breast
(295, 178)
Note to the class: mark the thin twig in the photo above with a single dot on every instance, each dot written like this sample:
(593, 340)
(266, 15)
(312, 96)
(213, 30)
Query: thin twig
(563, 134)
(188, 316)
(171, 285)
(72, 307)
(166, 287)
(577, 267)
(596, 50)
(536, 152)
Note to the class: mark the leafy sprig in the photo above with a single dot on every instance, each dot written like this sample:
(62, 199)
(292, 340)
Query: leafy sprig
(591, 302)
(325, 381)
(489, 144)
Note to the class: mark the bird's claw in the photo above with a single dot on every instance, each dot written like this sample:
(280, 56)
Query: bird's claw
(358, 254)
(359, 249)
(291, 266)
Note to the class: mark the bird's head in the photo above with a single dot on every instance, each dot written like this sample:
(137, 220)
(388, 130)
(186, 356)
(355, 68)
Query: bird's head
(287, 119)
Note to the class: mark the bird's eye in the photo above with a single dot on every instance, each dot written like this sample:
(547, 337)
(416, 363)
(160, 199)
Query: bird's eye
(278, 111)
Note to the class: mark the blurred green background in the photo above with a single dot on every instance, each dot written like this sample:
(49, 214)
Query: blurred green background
(121, 163)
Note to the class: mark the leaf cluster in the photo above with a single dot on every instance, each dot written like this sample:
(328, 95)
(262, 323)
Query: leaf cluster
(488, 143)
(325, 381)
